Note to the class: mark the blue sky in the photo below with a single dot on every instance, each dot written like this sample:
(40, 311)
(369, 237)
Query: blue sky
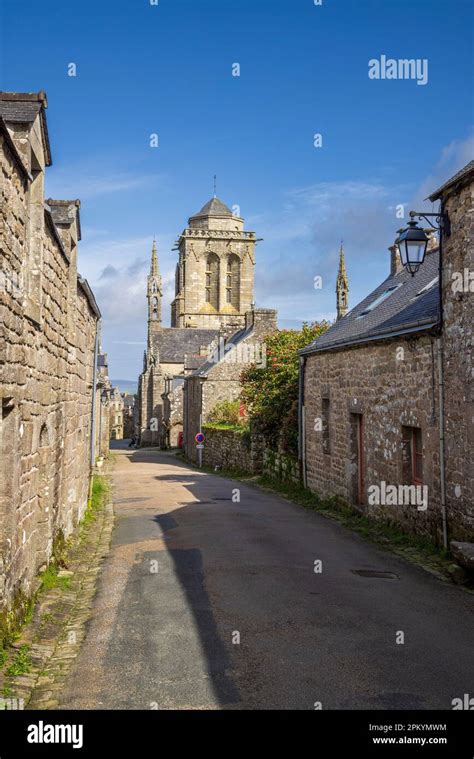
(167, 69)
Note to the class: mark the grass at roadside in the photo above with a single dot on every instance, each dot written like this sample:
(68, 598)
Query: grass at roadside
(100, 491)
(55, 576)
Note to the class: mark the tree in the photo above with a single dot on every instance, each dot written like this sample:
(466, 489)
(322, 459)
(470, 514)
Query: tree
(270, 393)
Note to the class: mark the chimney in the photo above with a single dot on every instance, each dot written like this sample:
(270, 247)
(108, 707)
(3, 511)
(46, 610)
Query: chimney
(395, 262)
(263, 320)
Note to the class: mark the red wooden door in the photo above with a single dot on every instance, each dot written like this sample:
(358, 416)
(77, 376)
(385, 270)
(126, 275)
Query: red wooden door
(361, 459)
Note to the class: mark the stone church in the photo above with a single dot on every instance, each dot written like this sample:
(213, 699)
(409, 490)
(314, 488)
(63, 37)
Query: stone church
(213, 293)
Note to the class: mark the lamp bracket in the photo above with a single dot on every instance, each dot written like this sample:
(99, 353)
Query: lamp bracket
(442, 222)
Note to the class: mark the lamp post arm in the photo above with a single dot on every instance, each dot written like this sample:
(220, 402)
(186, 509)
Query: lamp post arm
(441, 218)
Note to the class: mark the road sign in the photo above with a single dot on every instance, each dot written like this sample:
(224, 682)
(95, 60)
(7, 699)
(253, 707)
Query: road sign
(200, 446)
(199, 438)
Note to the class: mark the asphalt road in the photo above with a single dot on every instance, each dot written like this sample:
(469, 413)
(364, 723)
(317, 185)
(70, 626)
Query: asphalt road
(191, 572)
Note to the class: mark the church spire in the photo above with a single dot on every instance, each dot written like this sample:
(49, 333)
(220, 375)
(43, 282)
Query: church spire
(154, 260)
(342, 286)
(154, 289)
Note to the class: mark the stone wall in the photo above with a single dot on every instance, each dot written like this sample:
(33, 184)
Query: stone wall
(243, 451)
(116, 414)
(48, 324)
(173, 412)
(151, 386)
(458, 340)
(389, 390)
(280, 466)
(227, 449)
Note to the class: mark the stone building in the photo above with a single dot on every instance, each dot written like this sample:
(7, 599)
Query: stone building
(103, 390)
(370, 405)
(48, 338)
(218, 378)
(214, 290)
(116, 414)
(214, 273)
(129, 421)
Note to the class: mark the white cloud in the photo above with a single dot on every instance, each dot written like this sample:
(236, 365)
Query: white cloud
(86, 182)
(453, 157)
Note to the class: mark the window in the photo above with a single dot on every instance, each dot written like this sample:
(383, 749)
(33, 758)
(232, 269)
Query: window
(413, 455)
(233, 281)
(325, 425)
(380, 299)
(212, 280)
(427, 287)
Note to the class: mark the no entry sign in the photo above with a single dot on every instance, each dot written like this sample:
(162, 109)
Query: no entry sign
(199, 438)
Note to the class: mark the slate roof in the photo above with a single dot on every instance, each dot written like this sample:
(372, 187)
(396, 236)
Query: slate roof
(19, 112)
(232, 342)
(90, 297)
(174, 343)
(461, 174)
(404, 310)
(23, 108)
(213, 207)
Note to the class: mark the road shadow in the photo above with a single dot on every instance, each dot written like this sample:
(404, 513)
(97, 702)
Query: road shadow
(163, 634)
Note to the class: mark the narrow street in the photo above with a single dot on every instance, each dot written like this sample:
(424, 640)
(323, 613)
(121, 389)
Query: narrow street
(189, 570)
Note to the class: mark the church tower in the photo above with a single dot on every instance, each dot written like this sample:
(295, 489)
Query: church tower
(342, 287)
(154, 292)
(214, 275)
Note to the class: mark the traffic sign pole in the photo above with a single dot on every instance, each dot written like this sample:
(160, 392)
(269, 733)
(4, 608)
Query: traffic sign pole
(199, 438)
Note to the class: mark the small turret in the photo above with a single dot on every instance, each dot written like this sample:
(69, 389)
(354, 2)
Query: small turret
(342, 287)
(154, 290)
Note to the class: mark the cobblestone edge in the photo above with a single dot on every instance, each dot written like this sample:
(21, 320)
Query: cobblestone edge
(53, 655)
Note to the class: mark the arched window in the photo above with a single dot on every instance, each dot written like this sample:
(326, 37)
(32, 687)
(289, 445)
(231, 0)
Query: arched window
(212, 280)
(233, 281)
(155, 309)
(177, 286)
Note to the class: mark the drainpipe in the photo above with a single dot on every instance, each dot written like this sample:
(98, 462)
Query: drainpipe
(94, 405)
(302, 421)
(439, 345)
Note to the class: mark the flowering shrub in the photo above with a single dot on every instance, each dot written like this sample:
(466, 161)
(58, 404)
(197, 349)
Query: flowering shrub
(270, 394)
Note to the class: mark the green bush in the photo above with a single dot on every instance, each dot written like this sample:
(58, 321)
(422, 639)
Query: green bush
(270, 394)
(226, 412)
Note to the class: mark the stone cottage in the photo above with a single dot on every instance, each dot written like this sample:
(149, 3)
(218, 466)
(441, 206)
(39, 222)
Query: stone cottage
(213, 293)
(218, 379)
(103, 391)
(129, 430)
(48, 337)
(375, 386)
(116, 414)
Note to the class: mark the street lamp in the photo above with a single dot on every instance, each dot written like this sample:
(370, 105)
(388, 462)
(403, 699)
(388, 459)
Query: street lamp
(412, 243)
(413, 240)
